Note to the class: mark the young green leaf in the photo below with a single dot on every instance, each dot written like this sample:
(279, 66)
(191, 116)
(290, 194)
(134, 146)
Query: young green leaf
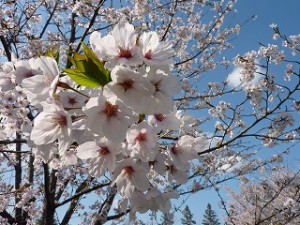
(54, 54)
(88, 70)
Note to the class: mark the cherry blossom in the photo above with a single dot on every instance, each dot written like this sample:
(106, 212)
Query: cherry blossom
(130, 175)
(158, 164)
(45, 152)
(130, 87)
(69, 158)
(153, 200)
(6, 77)
(37, 87)
(25, 69)
(155, 52)
(108, 117)
(175, 174)
(270, 199)
(183, 151)
(165, 87)
(164, 121)
(53, 124)
(142, 141)
(71, 99)
(102, 154)
(119, 47)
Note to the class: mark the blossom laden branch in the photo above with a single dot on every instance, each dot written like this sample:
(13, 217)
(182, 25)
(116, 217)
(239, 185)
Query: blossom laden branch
(113, 112)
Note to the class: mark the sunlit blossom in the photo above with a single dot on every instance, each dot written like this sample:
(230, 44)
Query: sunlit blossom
(130, 175)
(102, 155)
(119, 47)
(52, 124)
(110, 118)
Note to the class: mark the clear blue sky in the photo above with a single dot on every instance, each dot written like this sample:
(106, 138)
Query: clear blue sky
(284, 13)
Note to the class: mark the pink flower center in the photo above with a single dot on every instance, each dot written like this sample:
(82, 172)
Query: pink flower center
(28, 74)
(148, 55)
(110, 110)
(175, 150)
(61, 120)
(173, 169)
(10, 98)
(72, 101)
(127, 84)
(159, 117)
(125, 53)
(104, 151)
(141, 137)
(7, 106)
(156, 85)
(128, 170)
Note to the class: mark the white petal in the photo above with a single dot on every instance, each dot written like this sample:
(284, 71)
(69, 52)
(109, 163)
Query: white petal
(87, 150)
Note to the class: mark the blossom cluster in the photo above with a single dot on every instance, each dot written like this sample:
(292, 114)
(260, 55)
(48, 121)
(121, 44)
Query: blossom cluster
(126, 129)
(271, 199)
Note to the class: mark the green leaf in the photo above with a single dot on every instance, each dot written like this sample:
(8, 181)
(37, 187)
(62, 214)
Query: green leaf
(81, 78)
(141, 118)
(54, 54)
(88, 70)
(78, 61)
(91, 56)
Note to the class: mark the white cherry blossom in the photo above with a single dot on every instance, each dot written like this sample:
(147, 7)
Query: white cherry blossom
(119, 47)
(125, 133)
(95, 40)
(165, 87)
(175, 174)
(154, 200)
(38, 87)
(201, 143)
(102, 155)
(7, 77)
(25, 69)
(71, 99)
(131, 87)
(45, 152)
(69, 158)
(158, 164)
(142, 141)
(52, 124)
(183, 151)
(155, 52)
(130, 175)
(164, 121)
(108, 117)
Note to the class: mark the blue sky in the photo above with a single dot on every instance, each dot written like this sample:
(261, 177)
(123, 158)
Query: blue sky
(284, 13)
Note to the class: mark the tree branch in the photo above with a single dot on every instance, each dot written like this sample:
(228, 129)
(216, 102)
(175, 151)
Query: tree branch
(49, 208)
(6, 47)
(75, 201)
(79, 194)
(6, 142)
(104, 210)
(18, 181)
(7, 216)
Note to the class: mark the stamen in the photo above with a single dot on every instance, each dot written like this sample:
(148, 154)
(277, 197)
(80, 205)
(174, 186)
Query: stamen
(103, 151)
(128, 170)
(125, 53)
(141, 137)
(110, 110)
